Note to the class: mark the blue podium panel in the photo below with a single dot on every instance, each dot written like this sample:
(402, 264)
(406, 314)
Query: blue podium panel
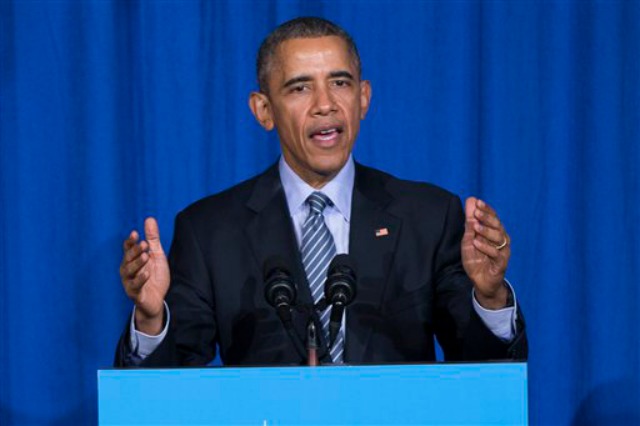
(445, 394)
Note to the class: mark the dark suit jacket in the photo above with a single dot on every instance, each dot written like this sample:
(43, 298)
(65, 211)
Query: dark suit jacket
(411, 284)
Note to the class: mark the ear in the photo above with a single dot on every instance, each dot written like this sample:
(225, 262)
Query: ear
(261, 109)
(365, 98)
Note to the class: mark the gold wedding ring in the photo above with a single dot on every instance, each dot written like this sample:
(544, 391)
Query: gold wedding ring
(504, 243)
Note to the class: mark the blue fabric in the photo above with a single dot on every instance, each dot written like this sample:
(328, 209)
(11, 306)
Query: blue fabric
(112, 111)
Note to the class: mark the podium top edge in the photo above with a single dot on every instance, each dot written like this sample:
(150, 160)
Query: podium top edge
(465, 366)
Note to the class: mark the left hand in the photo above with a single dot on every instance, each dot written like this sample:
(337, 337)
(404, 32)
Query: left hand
(486, 250)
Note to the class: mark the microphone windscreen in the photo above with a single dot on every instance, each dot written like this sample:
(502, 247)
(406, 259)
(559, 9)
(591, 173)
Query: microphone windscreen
(272, 264)
(341, 280)
(341, 261)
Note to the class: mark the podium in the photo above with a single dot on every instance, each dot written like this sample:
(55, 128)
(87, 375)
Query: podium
(488, 393)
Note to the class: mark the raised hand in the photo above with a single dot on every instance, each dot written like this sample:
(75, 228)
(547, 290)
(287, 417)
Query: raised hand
(485, 253)
(144, 273)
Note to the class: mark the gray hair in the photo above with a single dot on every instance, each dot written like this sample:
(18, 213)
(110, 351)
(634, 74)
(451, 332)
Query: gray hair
(304, 27)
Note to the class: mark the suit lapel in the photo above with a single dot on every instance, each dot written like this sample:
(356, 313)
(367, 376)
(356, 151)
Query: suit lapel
(271, 233)
(372, 241)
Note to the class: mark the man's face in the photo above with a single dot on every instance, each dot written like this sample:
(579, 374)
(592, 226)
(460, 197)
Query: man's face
(316, 101)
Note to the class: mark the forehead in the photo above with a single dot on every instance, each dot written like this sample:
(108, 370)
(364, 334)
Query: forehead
(309, 55)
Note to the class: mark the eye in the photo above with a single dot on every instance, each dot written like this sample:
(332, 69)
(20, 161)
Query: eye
(299, 88)
(341, 83)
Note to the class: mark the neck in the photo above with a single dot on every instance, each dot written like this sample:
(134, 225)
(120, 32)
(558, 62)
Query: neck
(317, 181)
(312, 178)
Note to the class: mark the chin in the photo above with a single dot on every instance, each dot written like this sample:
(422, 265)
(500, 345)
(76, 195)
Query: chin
(330, 166)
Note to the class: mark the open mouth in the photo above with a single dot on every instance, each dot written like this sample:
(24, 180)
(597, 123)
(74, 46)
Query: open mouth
(326, 134)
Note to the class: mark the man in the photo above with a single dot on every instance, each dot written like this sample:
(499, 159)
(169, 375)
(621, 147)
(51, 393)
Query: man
(422, 268)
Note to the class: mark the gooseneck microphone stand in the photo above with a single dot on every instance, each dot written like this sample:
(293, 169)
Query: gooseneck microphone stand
(312, 344)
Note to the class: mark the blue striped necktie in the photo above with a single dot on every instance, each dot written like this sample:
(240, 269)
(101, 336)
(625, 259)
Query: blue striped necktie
(318, 249)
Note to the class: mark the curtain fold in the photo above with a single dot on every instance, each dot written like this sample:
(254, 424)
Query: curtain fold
(114, 111)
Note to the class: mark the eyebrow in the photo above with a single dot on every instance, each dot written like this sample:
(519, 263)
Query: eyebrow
(307, 78)
(296, 80)
(343, 74)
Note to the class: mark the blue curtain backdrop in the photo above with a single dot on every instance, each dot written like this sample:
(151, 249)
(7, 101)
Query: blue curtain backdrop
(112, 111)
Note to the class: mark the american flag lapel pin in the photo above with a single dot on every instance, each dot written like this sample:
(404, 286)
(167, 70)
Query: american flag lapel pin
(382, 232)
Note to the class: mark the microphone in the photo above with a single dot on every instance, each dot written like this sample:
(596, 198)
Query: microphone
(280, 292)
(339, 291)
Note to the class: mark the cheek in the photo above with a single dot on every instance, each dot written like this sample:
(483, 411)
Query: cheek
(352, 109)
(293, 118)
(354, 120)
(291, 128)
(355, 127)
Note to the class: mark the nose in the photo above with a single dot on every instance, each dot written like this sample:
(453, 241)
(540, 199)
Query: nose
(324, 102)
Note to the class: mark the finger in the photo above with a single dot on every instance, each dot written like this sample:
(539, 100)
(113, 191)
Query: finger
(152, 234)
(484, 206)
(131, 241)
(135, 284)
(488, 217)
(494, 236)
(500, 256)
(486, 248)
(131, 269)
(134, 252)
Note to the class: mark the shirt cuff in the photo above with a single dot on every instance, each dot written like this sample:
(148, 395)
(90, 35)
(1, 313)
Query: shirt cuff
(501, 322)
(142, 345)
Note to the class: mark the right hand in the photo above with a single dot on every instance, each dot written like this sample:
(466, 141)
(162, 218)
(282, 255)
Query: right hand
(144, 273)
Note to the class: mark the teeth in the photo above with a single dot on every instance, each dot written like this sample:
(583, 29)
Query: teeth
(324, 132)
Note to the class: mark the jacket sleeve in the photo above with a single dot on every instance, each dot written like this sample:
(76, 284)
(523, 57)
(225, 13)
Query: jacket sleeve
(461, 333)
(191, 336)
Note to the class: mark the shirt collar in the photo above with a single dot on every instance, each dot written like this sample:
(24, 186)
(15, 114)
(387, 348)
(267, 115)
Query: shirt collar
(339, 189)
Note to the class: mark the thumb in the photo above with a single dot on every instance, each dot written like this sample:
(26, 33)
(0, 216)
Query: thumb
(152, 234)
(470, 208)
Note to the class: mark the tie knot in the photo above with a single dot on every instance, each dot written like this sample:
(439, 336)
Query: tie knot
(318, 202)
